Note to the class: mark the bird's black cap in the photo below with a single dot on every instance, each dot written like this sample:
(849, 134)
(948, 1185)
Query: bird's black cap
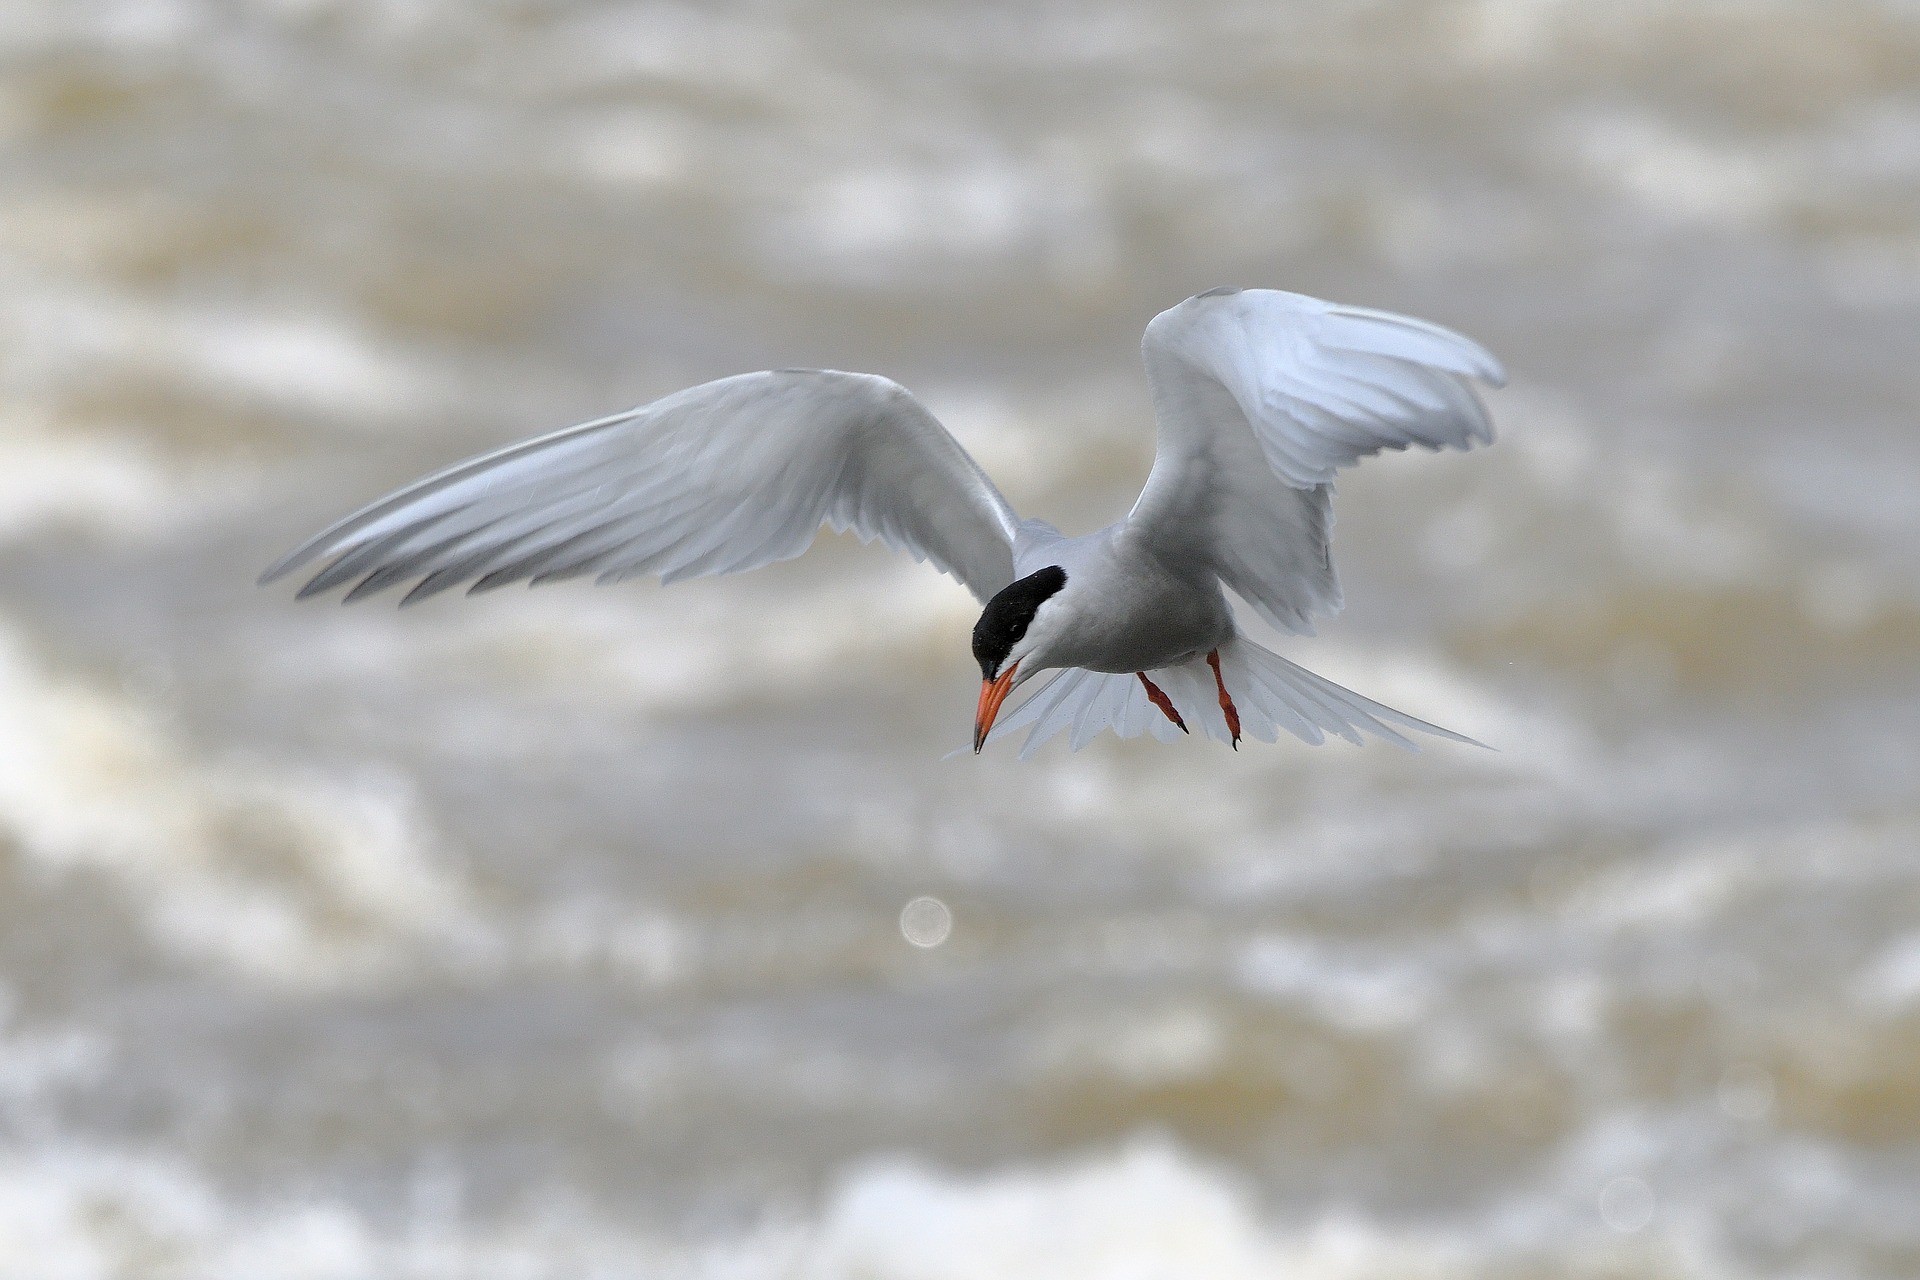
(1006, 618)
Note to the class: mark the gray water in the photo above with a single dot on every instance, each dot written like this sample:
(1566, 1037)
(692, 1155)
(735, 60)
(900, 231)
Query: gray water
(559, 933)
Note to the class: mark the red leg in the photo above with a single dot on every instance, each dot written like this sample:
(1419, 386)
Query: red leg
(1161, 701)
(1226, 703)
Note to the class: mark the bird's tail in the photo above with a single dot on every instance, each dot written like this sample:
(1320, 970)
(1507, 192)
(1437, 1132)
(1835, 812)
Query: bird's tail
(1268, 692)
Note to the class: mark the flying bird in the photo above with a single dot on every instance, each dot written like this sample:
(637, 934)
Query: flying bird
(1259, 397)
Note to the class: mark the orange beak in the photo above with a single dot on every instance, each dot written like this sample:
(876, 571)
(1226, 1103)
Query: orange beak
(992, 694)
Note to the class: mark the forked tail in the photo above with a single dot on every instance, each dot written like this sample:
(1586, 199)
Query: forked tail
(1269, 692)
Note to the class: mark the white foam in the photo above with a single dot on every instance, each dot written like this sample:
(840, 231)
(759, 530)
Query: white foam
(120, 26)
(1681, 175)
(36, 1063)
(1135, 1216)
(647, 946)
(1695, 880)
(1143, 1047)
(1353, 991)
(59, 332)
(1891, 980)
(299, 360)
(1148, 1211)
(873, 226)
(280, 875)
(1037, 445)
(604, 46)
(111, 486)
(1152, 1212)
(78, 1211)
(630, 148)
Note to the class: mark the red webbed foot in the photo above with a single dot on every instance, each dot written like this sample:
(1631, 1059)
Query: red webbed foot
(1162, 701)
(1226, 702)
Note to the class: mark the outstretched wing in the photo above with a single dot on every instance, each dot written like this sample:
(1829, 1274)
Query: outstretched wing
(1260, 397)
(725, 476)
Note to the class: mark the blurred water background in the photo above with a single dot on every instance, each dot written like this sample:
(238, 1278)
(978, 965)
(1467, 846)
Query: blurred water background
(563, 933)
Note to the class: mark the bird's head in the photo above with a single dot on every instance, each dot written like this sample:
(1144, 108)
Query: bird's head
(1005, 637)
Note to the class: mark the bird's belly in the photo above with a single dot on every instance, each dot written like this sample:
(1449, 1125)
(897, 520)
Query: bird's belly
(1156, 628)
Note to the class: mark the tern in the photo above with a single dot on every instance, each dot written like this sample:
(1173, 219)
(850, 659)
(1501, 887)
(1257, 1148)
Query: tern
(1259, 397)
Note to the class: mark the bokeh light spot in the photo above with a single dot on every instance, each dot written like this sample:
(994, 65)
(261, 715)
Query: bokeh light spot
(1627, 1204)
(926, 922)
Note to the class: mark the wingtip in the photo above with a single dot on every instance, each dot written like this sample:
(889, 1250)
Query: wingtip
(1451, 736)
(430, 586)
(1485, 366)
(281, 568)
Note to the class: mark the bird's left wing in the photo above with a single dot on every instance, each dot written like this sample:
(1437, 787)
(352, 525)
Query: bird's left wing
(725, 476)
(1260, 397)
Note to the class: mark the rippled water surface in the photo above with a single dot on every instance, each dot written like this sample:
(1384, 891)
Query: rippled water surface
(585, 933)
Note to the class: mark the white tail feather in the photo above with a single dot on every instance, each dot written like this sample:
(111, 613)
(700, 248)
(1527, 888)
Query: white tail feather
(1269, 693)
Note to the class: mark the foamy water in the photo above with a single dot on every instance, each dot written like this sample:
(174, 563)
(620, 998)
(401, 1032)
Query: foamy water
(651, 933)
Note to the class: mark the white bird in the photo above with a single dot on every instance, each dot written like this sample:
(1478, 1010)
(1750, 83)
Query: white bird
(1260, 397)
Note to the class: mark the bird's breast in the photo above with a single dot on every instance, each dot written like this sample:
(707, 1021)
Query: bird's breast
(1136, 615)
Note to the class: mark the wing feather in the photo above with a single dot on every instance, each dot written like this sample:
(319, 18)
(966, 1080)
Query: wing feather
(719, 478)
(1261, 397)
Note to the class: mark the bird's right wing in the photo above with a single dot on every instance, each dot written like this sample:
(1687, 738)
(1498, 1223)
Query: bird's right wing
(1260, 397)
(725, 476)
